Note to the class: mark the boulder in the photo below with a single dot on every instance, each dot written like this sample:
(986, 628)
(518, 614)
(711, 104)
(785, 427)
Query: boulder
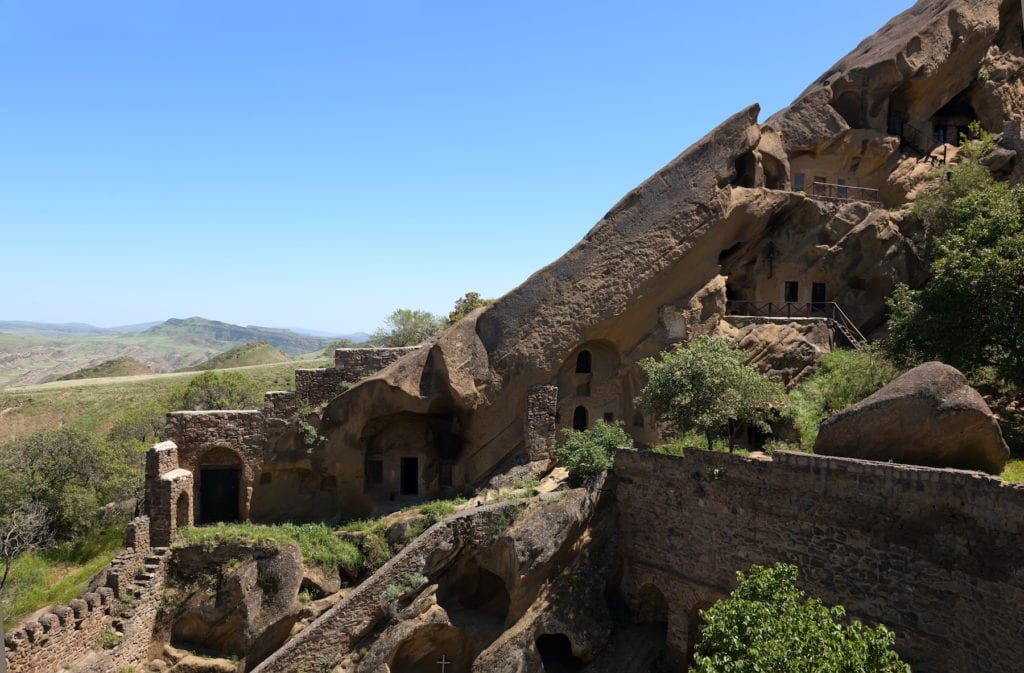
(929, 416)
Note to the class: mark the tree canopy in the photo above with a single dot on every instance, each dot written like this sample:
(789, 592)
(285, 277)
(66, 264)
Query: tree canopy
(767, 624)
(971, 313)
(707, 386)
(407, 327)
(588, 453)
(466, 304)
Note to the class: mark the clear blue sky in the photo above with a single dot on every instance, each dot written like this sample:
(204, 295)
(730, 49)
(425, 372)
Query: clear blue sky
(318, 164)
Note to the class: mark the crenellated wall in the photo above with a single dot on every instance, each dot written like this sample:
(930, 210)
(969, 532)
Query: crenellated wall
(126, 605)
(935, 555)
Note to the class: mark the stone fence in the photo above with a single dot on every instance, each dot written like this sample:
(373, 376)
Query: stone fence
(936, 555)
(316, 386)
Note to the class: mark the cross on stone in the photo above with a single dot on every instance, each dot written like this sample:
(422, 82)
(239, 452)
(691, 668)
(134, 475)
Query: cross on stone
(444, 663)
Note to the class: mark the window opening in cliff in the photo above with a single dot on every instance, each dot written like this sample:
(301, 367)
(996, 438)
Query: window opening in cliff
(445, 475)
(555, 650)
(746, 171)
(181, 512)
(729, 252)
(410, 476)
(374, 472)
(583, 362)
(798, 182)
(609, 417)
(849, 105)
(819, 296)
(579, 419)
(474, 598)
(218, 494)
(791, 291)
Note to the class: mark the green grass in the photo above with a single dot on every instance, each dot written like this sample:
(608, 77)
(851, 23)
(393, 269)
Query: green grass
(319, 543)
(123, 366)
(1014, 470)
(93, 405)
(58, 575)
(693, 440)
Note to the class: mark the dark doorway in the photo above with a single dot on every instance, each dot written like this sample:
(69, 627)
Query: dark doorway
(818, 296)
(579, 419)
(555, 652)
(218, 494)
(410, 476)
(791, 291)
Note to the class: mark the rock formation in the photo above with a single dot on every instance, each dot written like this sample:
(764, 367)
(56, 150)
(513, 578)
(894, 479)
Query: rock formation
(929, 416)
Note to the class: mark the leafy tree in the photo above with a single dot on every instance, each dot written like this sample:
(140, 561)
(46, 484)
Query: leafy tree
(341, 343)
(707, 386)
(844, 378)
(971, 313)
(212, 390)
(466, 304)
(767, 624)
(407, 327)
(23, 529)
(588, 453)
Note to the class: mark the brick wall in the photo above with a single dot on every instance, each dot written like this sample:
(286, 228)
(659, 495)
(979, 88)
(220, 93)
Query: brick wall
(358, 363)
(936, 555)
(316, 386)
(540, 425)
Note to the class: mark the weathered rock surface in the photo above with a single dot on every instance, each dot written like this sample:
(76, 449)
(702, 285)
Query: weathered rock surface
(929, 416)
(786, 350)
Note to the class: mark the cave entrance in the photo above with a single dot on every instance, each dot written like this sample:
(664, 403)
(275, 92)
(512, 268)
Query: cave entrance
(475, 599)
(218, 494)
(410, 476)
(555, 652)
(424, 650)
(579, 419)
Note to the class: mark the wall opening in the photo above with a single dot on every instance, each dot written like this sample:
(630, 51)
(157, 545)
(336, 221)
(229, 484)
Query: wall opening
(791, 291)
(475, 599)
(410, 476)
(181, 518)
(849, 105)
(423, 650)
(579, 418)
(218, 494)
(583, 362)
(556, 654)
(746, 171)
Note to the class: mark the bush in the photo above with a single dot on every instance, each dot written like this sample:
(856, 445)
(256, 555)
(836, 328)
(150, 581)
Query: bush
(707, 386)
(406, 327)
(212, 390)
(845, 377)
(767, 624)
(588, 453)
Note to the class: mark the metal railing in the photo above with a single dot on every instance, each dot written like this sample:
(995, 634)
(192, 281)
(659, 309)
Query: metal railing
(824, 310)
(844, 193)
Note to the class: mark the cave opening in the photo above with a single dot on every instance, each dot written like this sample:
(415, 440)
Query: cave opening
(556, 654)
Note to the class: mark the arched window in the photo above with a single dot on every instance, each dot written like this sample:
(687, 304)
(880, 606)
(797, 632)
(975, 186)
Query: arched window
(579, 418)
(583, 362)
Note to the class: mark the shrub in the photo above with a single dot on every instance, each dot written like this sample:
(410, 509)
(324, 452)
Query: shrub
(588, 453)
(767, 624)
(707, 386)
(212, 390)
(845, 377)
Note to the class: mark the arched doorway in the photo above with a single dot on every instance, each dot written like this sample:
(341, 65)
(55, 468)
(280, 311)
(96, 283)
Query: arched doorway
(579, 419)
(220, 480)
(556, 654)
(424, 650)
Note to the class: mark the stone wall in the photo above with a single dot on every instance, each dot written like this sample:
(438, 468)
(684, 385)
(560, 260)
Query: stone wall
(935, 555)
(358, 363)
(316, 386)
(126, 604)
(539, 431)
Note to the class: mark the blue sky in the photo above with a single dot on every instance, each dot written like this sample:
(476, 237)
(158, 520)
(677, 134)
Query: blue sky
(319, 164)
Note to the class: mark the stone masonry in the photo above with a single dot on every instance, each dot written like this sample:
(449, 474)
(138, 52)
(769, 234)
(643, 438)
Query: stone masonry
(316, 386)
(935, 555)
(539, 433)
(169, 497)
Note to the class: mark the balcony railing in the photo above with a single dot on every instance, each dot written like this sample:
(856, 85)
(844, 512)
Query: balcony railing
(824, 310)
(827, 191)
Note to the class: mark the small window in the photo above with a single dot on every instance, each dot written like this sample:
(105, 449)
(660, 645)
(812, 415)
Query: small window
(445, 477)
(841, 192)
(798, 182)
(609, 417)
(583, 362)
(374, 472)
(791, 292)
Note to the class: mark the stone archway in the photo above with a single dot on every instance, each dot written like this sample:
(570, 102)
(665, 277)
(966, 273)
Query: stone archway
(555, 650)
(426, 647)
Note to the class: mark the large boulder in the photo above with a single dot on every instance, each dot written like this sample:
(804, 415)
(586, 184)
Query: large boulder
(929, 416)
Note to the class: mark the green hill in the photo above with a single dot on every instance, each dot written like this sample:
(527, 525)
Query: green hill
(123, 366)
(209, 332)
(255, 353)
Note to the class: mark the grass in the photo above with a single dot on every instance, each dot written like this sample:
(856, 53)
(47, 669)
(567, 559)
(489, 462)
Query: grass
(57, 575)
(123, 366)
(93, 405)
(255, 353)
(319, 543)
(693, 440)
(1014, 470)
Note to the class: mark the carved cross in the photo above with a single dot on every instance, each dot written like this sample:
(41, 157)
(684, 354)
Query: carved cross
(444, 663)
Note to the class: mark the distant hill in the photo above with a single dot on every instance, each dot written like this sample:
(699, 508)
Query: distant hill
(255, 353)
(124, 366)
(28, 328)
(202, 331)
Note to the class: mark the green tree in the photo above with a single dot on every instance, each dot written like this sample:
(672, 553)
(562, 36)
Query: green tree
(341, 343)
(767, 624)
(218, 390)
(707, 386)
(407, 327)
(845, 377)
(23, 529)
(466, 304)
(588, 453)
(971, 312)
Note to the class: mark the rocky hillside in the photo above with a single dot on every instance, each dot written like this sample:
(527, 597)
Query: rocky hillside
(124, 366)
